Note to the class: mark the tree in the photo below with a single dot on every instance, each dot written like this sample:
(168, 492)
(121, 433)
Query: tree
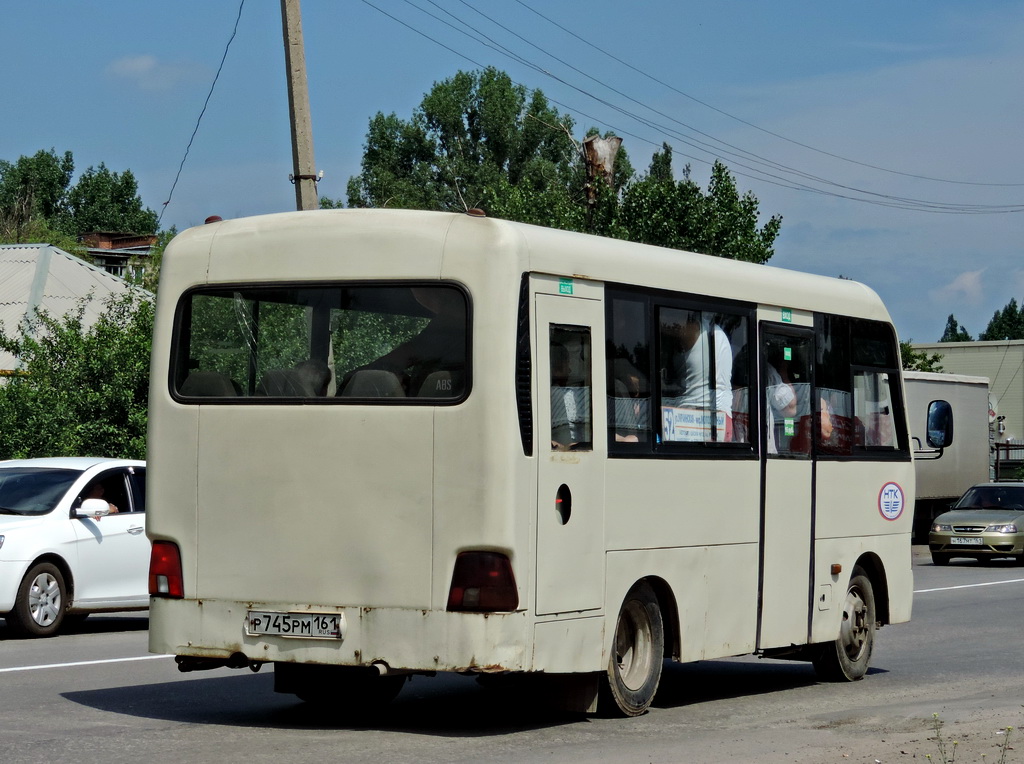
(954, 332)
(33, 194)
(1006, 324)
(102, 200)
(659, 210)
(81, 391)
(479, 140)
(39, 204)
(918, 360)
(476, 139)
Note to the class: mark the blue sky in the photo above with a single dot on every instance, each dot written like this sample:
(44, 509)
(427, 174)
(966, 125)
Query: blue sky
(864, 97)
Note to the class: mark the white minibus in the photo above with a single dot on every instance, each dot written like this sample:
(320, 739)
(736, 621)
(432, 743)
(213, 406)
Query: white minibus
(386, 443)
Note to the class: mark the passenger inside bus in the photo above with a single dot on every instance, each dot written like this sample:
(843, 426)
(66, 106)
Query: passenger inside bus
(690, 382)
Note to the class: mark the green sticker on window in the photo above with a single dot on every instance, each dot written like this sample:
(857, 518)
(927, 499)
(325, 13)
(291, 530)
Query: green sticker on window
(787, 354)
(565, 286)
(787, 316)
(789, 428)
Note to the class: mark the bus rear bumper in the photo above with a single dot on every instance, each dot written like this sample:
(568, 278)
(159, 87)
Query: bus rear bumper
(392, 639)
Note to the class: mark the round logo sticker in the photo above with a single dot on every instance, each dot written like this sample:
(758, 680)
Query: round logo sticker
(890, 501)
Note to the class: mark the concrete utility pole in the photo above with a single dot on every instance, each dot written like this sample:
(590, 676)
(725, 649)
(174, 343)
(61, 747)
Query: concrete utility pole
(304, 172)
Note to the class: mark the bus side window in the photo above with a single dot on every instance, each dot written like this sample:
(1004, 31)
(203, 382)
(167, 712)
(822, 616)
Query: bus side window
(571, 409)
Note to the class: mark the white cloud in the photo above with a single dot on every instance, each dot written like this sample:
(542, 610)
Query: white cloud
(967, 287)
(149, 74)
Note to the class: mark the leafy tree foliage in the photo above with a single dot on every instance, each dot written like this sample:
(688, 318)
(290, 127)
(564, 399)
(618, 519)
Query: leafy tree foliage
(33, 192)
(479, 140)
(659, 210)
(954, 332)
(81, 391)
(39, 203)
(102, 200)
(1006, 324)
(918, 360)
(476, 139)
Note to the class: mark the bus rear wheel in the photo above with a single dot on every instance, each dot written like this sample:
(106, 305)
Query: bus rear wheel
(634, 668)
(847, 658)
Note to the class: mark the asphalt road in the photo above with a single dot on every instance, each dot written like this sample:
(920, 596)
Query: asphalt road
(96, 695)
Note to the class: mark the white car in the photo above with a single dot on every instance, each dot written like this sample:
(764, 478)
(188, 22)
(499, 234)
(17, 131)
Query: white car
(72, 540)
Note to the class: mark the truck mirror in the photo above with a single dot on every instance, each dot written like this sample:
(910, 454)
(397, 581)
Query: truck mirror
(940, 424)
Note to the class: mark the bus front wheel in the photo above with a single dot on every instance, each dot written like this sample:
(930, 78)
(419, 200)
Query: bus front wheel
(846, 659)
(634, 668)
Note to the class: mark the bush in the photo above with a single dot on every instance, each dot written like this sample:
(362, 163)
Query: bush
(80, 391)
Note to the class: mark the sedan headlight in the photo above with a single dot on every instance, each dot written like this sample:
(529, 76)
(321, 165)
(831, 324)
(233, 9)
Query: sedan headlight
(1009, 528)
(941, 528)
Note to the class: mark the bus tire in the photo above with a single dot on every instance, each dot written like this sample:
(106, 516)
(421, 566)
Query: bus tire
(847, 658)
(41, 602)
(638, 650)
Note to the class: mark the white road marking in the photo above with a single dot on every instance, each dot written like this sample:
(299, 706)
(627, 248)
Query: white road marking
(83, 663)
(969, 586)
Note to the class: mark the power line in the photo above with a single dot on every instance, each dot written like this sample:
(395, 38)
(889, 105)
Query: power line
(768, 176)
(751, 124)
(206, 103)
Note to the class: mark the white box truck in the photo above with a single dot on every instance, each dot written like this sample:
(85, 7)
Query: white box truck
(967, 460)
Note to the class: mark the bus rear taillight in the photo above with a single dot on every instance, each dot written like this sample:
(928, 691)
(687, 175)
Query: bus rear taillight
(165, 578)
(483, 582)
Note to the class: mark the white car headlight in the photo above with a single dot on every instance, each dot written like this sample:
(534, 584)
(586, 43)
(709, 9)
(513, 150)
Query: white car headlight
(1009, 528)
(941, 528)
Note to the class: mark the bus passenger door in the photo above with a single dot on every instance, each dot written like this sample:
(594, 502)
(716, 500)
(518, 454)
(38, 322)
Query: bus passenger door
(787, 513)
(571, 447)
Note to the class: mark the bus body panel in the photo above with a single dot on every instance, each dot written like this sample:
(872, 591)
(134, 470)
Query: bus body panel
(693, 502)
(333, 514)
(714, 588)
(848, 498)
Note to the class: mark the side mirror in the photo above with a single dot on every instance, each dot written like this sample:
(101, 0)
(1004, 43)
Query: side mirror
(940, 424)
(93, 508)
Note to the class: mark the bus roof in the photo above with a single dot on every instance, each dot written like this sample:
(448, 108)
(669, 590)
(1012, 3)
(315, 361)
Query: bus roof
(413, 244)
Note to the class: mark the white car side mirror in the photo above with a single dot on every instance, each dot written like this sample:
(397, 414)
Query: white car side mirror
(93, 508)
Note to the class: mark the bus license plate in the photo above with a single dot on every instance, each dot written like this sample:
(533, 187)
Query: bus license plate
(964, 540)
(307, 625)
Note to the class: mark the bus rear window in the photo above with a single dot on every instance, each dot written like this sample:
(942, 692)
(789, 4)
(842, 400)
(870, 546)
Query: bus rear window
(379, 343)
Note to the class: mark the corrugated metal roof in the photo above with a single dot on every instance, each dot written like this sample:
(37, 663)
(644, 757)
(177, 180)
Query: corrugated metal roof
(44, 276)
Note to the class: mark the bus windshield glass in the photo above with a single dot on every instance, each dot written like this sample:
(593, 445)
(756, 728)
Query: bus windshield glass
(348, 343)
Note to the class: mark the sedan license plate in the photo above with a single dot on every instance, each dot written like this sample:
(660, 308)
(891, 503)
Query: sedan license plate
(964, 541)
(306, 625)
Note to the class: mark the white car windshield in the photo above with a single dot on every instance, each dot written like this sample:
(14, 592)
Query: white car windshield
(33, 490)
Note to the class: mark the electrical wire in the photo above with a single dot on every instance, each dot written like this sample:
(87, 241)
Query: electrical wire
(742, 121)
(206, 103)
(746, 156)
(741, 157)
